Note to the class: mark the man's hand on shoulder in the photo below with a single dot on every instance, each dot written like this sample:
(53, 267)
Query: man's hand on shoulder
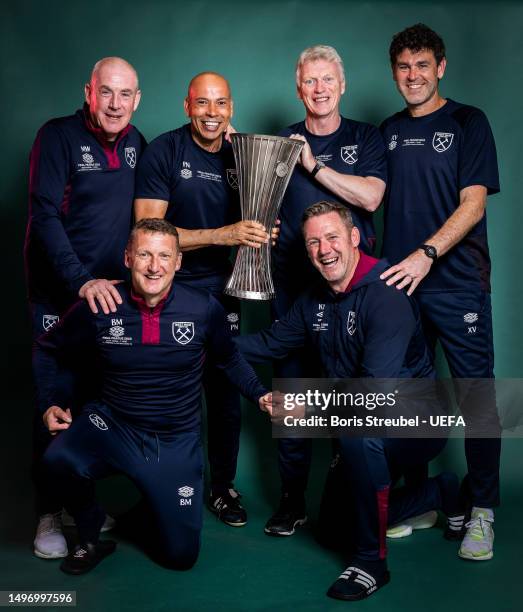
(56, 419)
(409, 272)
(102, 291)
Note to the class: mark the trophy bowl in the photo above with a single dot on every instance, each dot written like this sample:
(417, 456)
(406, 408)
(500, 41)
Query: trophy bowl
(264, 165)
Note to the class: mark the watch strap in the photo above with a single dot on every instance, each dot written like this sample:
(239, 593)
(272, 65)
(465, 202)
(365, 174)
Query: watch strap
(317, 168)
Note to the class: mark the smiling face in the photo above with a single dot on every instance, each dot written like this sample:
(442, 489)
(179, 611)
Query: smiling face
(332, 248)
(417, 76)
(209, 107)
(153, 259)
(320, 87)
(112, 95)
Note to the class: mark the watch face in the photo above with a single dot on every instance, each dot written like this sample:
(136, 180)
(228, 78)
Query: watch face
(430, 251)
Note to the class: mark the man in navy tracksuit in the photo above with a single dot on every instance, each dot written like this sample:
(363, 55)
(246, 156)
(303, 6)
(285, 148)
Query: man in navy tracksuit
(367, 330)
(80, 209)
(344, 161)
(188, 176)
(442, 166)
(146, 422)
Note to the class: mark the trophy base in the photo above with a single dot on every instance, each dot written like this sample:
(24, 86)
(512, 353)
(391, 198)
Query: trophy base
(249, 295)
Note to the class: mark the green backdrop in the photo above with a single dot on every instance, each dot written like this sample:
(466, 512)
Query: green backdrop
(48, 49)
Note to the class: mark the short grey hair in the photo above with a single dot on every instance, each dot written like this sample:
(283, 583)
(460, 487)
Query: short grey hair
(319, 52)
(154, 225)
(323, 208)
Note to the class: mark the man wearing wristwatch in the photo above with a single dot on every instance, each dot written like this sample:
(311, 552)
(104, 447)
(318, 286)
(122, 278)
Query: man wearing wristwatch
(342, 161)
(441, 168)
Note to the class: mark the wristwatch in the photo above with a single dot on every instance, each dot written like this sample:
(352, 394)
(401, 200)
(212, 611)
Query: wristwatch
(319, 165)
(430, 251)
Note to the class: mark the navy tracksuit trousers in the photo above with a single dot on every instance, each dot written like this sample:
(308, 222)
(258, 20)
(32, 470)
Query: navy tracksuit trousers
(166, 467)
(74, 387)
(222, 399)
(462, 322)
(294, 454)
(372, 466)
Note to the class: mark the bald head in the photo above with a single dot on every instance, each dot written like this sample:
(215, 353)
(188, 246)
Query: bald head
(209, 106)
(112, 95)
(208, 79)
(113, 64)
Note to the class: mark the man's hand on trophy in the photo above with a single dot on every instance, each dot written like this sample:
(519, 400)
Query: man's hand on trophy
(306, 159)
(230, 130)
(275, 232)
(249, 233)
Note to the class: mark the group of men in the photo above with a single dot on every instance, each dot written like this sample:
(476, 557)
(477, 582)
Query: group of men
(156, 342)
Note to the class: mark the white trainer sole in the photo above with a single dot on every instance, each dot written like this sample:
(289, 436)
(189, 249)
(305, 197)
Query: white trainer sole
(423, 521)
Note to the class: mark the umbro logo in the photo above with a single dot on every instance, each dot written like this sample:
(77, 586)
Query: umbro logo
(185, 493)
(186, 172)
(97, 421)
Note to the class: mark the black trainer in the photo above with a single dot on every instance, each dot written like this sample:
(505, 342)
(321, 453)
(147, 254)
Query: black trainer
(228, 508)
(359, 580)
(85, 557)
(290, 514)
(454, 504)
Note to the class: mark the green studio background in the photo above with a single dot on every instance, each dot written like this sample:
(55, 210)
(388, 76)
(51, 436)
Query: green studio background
(48, 50)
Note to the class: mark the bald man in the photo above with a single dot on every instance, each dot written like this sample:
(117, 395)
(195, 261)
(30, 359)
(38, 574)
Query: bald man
(188, 176)
(81, 189)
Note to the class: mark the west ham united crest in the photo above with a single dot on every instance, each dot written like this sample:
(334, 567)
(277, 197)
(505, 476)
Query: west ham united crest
(349, 154)
(183, 331)
(232, 178)
(441, 141)
(49, 321)
(351, 322)
(130, 156)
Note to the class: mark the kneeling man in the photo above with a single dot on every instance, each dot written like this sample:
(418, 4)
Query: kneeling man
(147, 422)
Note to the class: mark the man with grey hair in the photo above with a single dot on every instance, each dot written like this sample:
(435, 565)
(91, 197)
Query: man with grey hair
(81, 188)
(342, 161)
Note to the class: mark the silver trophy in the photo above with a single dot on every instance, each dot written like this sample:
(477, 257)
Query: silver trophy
(264, 165)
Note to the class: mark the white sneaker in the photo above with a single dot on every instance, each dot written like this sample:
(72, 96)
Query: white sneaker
(423, 521)
(478, 542)
(68, 521)
(49, 542)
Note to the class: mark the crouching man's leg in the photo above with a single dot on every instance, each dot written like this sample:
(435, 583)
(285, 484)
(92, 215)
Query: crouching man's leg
(367, 463)
(74, 460)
